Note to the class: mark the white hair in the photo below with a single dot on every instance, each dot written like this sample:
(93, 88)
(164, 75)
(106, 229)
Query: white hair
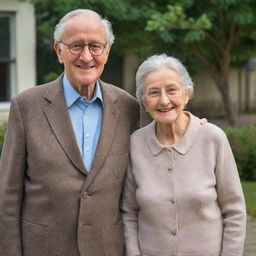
(60, 27)
(156, 62)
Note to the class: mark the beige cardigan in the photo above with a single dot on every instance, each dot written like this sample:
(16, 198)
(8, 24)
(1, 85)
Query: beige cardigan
(185, 199)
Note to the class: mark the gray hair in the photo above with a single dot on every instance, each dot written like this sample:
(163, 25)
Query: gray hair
(60, 27)
(156, 62)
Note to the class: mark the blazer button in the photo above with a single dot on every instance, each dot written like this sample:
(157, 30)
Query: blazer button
(85, 195)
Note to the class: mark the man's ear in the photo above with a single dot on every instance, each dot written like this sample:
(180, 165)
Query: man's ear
(108, 48)
(107, 51)
(58, 51)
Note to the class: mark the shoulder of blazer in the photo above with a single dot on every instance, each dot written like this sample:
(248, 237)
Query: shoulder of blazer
(48, 91)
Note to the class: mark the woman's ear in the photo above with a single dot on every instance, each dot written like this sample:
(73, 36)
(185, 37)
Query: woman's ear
(142, 103)
(186, 97)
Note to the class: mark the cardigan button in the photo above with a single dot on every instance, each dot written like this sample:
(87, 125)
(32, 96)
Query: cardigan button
(170, 168)
(174, 232)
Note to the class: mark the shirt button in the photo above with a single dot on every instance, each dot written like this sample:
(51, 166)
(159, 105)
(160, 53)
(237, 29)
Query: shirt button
(87, 149)
(87, 135)
(170, 168)
(85, 195)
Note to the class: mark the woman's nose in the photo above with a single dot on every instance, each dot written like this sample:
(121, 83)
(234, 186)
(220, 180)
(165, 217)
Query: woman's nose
(164, 99)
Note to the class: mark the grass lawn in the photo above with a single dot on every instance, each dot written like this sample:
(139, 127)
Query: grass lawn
(249, 188)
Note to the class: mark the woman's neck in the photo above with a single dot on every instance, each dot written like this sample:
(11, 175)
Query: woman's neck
(169, 134)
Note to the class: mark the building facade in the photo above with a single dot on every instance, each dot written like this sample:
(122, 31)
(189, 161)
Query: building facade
(17, 51)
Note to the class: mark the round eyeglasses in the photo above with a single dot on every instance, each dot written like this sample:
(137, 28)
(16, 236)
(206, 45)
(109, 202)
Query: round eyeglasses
(77, 48)
(155, 94)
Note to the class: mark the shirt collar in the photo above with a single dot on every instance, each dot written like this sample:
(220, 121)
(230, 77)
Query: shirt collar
(71, 95)
(182, 146)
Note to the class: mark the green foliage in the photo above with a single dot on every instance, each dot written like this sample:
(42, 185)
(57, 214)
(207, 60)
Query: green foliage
(217, 33)
(249, 189)
(243, 144)
(174, 18)
(51, 76)
(3, 126)
(217, 24)
(193, 36)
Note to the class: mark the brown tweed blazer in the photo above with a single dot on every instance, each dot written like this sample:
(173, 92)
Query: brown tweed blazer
(49, 204)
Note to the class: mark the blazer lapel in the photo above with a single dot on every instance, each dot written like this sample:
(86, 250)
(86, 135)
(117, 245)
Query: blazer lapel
(57, 115)
(109, 125)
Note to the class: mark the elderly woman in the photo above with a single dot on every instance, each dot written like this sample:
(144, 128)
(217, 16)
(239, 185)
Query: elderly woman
(182, 193)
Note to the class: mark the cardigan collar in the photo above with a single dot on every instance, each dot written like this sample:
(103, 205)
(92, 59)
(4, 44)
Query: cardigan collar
(182, 146)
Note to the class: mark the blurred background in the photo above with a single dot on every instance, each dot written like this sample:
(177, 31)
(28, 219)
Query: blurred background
(215, 39)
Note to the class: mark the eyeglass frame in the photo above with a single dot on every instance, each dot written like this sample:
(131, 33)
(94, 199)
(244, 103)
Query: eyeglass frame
(84, 44)
(170, 96)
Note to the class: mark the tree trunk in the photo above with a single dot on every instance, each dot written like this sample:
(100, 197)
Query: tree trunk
(220, 75)
(228, 106)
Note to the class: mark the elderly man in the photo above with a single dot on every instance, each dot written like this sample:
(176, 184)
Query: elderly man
(66, 152)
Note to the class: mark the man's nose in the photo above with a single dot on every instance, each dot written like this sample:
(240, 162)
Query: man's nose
(86, 54)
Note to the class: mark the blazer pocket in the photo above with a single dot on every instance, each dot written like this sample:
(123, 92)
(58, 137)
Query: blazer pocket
(35, 239)
(120, 164)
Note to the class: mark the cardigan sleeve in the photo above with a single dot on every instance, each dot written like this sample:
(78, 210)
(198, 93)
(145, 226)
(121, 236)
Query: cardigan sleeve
(230, 199)
(130, 210)
(12, 167)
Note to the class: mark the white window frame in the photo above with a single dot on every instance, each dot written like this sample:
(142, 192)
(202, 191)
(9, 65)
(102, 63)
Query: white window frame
(12, 60)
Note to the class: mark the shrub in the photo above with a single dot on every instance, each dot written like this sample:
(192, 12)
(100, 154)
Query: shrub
(243, 144)
(3, 126)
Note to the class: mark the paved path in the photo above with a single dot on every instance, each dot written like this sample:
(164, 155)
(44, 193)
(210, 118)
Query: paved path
(250, 240)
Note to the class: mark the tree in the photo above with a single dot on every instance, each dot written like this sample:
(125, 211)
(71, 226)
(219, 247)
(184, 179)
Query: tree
(218, 33)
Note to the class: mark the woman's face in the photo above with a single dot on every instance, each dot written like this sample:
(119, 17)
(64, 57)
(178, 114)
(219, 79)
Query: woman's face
(164, 98)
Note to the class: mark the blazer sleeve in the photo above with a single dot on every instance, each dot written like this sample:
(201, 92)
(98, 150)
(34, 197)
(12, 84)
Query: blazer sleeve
(231, 201)
(130, 210)
(136, 117)
(12, 168)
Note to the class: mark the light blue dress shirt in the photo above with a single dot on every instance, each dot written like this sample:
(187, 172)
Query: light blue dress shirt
(86, 118)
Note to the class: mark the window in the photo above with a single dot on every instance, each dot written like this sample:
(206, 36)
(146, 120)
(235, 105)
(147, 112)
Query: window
(7, 56)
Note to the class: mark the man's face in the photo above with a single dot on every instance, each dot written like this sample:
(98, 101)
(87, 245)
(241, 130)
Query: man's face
(84, 69)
